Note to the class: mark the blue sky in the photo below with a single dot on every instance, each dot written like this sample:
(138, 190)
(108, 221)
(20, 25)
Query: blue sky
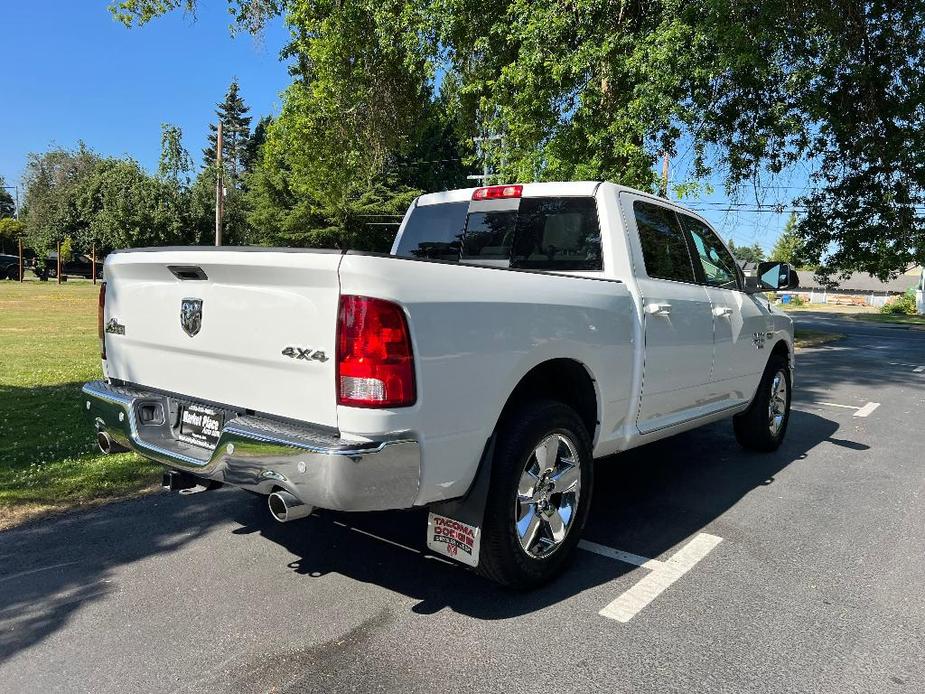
(70, 72)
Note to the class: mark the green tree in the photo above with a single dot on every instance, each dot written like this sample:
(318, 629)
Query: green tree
(175, 163)
(235, 225)
(11, 231)
(7, 203)
(747, 254)
(255, 142)
(789, 246)
(121, 206)
(106, 202)
(593, 89)
(232, 114)
(52, 181)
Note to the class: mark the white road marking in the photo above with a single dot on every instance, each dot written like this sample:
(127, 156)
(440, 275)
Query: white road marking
(619, 555)
(867, 409)
(918, 369)
(863, 411)
(628, 605)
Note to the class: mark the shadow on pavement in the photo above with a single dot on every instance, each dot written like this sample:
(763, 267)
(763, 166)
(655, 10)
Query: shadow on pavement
(646, 501)
(861, 360)
(51, 569)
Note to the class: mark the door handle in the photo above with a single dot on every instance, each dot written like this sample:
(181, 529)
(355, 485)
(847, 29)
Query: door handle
(658, 309)
(722, 311)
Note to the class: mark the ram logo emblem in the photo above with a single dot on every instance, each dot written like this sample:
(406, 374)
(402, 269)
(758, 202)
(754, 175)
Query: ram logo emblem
(191, 316)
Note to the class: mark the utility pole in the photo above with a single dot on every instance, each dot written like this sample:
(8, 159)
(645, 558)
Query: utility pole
(663, 187)
(219, 187)
(478, 141)
(20, 260)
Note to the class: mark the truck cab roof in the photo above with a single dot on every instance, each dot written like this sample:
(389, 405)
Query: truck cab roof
(530, 190)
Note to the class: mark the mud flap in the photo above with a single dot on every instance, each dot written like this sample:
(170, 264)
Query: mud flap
(454, 528)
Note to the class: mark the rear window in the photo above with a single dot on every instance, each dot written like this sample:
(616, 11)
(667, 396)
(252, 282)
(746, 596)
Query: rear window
(540, 234)
(434, 231)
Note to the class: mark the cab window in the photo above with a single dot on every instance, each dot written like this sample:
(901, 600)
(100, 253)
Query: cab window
(719, 267)
(664, 248)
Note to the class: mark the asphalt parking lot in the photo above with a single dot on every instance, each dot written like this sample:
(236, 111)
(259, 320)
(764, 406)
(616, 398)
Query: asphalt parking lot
(705, 568)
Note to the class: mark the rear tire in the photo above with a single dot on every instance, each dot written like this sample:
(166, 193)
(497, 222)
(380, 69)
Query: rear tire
(539, 497)
(763, 425)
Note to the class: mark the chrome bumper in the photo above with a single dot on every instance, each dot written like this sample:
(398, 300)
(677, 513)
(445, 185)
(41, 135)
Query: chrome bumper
(263, 454)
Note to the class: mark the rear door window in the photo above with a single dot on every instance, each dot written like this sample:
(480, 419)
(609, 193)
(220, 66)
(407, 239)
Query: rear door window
(664, 248)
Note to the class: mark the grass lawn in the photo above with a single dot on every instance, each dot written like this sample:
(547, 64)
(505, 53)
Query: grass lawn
(829, 308)
(813, 338)
(865, 313)
(892, 318)
(48, 455)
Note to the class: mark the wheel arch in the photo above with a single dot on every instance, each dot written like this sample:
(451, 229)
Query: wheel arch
(563, 379)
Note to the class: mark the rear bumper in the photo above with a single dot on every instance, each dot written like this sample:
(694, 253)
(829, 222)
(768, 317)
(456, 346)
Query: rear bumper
(262, 454)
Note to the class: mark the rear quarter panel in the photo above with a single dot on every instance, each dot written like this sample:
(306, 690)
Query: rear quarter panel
(476, 332)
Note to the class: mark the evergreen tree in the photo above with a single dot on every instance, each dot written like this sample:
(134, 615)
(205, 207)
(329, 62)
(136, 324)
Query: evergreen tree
(254, 143)
(747, 254)
(7, 204)
(789, 247)
(236, 132)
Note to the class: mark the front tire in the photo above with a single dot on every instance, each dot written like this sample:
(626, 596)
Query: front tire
(539, 497)
(763, 425)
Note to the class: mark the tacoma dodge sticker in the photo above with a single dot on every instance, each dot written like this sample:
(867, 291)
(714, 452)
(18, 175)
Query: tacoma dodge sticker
(453, 539)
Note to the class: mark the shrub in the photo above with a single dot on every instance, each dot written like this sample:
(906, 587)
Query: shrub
(903, 304)
(797, 300)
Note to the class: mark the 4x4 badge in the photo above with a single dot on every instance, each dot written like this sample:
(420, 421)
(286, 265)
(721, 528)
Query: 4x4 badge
(308, 354)
(114, 327)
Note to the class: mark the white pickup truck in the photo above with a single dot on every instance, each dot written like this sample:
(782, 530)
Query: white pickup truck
(514, 334)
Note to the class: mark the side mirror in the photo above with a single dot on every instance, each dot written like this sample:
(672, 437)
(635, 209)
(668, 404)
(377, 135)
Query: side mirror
(776, 276)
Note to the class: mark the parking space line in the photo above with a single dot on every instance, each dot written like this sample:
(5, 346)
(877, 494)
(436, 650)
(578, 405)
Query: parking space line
(628, 605)
(867, 409)
(862, 411)
(619, 555)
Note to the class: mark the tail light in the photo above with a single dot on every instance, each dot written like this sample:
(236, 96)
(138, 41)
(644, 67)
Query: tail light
(375, 366)
(100, 327)
(497, 192)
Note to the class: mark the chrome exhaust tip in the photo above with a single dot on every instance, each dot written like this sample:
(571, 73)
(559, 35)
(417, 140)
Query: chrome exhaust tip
(107, 444)
(285, 507)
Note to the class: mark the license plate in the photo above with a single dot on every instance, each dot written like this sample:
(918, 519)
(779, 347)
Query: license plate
(200, 426)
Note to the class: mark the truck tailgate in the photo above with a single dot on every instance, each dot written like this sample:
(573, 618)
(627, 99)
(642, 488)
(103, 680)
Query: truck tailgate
(255, 304)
